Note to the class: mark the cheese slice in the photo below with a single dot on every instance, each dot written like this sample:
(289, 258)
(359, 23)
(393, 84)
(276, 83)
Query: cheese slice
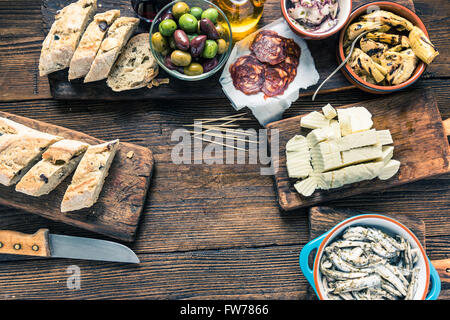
(327, 147)
(384, 137)
(358, 139)
(334, 124)
(354, 119)
(338, 178)
(362, 154)
(297, 143)
(323, 180)
(306, 187)
(387, 152)
(298, 167)
(319, 135)
(325, 161)
(314, 120)
(389, 170)
(329, 112)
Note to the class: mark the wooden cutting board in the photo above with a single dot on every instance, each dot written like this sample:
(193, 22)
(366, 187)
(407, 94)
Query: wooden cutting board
(420, 145)
(323, 52)
(117, 212)
(322, 219)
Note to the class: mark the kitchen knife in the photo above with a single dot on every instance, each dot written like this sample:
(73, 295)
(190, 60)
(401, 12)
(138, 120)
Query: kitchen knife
(44, 244)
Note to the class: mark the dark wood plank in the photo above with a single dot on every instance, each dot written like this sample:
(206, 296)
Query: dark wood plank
(121, 202)
(322, 51)
(419, 140)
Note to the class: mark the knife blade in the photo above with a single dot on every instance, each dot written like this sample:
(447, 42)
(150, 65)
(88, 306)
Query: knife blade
(44, 244)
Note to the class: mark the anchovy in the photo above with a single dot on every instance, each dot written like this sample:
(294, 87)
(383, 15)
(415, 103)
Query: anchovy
(388, 275)
(357, 284)
(386, 241)
(413, 285)
(399, 274)
(390, 288)
(348, 244)
(339, 275)
(354, 257)
(378, 249)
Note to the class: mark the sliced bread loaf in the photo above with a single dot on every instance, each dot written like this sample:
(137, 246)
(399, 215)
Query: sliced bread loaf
(60, 43)
(57, 163)
(117, 37)
(89, 177)
(135, 67)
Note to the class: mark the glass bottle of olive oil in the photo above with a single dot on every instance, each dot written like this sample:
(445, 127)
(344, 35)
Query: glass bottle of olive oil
(243, 15)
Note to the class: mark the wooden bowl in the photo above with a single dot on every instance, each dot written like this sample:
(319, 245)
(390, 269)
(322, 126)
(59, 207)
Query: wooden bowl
(347, 70)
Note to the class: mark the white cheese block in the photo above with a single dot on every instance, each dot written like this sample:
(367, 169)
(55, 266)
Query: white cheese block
(362, 154)
(329, 112)
(387, 152)
(314, 120)
(327, 147)
(325, 161)
(324, 180)
(319, 135)
(384, 137)
(358, 139)
(338, 179)
(334, 124)
(298, 167)
(354, 119)
(389, 170)
(306, 187)
(297, 143)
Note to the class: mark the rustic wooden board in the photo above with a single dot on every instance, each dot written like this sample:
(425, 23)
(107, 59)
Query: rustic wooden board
(117, 212)
(322, 219)
(420, 143)
(323, 52)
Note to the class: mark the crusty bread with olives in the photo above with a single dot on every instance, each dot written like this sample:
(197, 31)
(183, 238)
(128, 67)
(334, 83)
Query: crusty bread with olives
(58, 161)
(19, 152)
(110, 48)
(135, 67)
(90, 43)
(89, 177)
(60, 43)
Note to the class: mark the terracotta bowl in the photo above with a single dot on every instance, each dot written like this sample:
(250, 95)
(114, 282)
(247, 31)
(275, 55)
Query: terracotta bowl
(345, 7)
(351, 75)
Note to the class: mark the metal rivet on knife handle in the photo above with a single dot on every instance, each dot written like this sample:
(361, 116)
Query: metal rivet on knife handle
(25, 244)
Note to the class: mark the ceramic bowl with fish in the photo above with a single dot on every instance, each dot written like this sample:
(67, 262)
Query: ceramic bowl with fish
(406, 273)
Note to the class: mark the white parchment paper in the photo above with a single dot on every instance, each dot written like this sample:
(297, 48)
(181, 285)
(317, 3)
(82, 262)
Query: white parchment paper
(270, 109)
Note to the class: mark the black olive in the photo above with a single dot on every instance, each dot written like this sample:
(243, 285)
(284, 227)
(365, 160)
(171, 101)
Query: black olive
(43, 178)
(56, 37)
(103, 26)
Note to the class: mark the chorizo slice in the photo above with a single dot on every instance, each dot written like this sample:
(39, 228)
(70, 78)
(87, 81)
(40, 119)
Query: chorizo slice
(247, 74)
(269, 47)
(276, 81)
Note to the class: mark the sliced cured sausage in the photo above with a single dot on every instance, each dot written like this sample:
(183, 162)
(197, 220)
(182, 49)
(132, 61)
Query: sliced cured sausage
(269, 47)
(247, 74)
(276, 81)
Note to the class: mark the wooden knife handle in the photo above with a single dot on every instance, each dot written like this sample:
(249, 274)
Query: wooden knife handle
(12, 242)
(443, 268)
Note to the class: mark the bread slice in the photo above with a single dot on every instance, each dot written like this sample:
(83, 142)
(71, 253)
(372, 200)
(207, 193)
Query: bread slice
(8, 126)
(65, 33)
(57, 163)
(118, 35)
(135, 67)
(89, 177)
(90, 43)
(19, 152)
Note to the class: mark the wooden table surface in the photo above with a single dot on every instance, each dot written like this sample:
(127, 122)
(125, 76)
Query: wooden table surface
(207, 231)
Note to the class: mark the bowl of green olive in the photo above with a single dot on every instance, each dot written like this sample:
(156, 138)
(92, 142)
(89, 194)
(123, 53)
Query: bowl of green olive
(191, 40)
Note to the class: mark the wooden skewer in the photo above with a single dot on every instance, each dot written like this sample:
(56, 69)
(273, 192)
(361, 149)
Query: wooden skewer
(223, 118)
(219, 143)
(221, 135)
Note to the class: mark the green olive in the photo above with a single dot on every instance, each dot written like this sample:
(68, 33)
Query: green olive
(167, 27)
(194, 69)
(222, 46)
(197, 12)
(210, 14)
(188, 23)
(192, 36)
(159, 42)
(221, 31)
(210, 49)
(179, 8)
(180, 58)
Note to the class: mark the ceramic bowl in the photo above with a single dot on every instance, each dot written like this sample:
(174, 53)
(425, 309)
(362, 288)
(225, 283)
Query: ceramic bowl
(429, 284)
(351, 75)
(345, 8)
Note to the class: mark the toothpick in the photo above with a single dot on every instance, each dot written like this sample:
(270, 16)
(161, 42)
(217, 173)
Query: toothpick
(221, 135)
(219, 143)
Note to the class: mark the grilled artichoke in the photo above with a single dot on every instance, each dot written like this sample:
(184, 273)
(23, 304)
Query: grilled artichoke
(388, 38)
(372, 48)
(361, 61)
(355, 29)
(386, 17)
(422, 46)
(399, 65)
